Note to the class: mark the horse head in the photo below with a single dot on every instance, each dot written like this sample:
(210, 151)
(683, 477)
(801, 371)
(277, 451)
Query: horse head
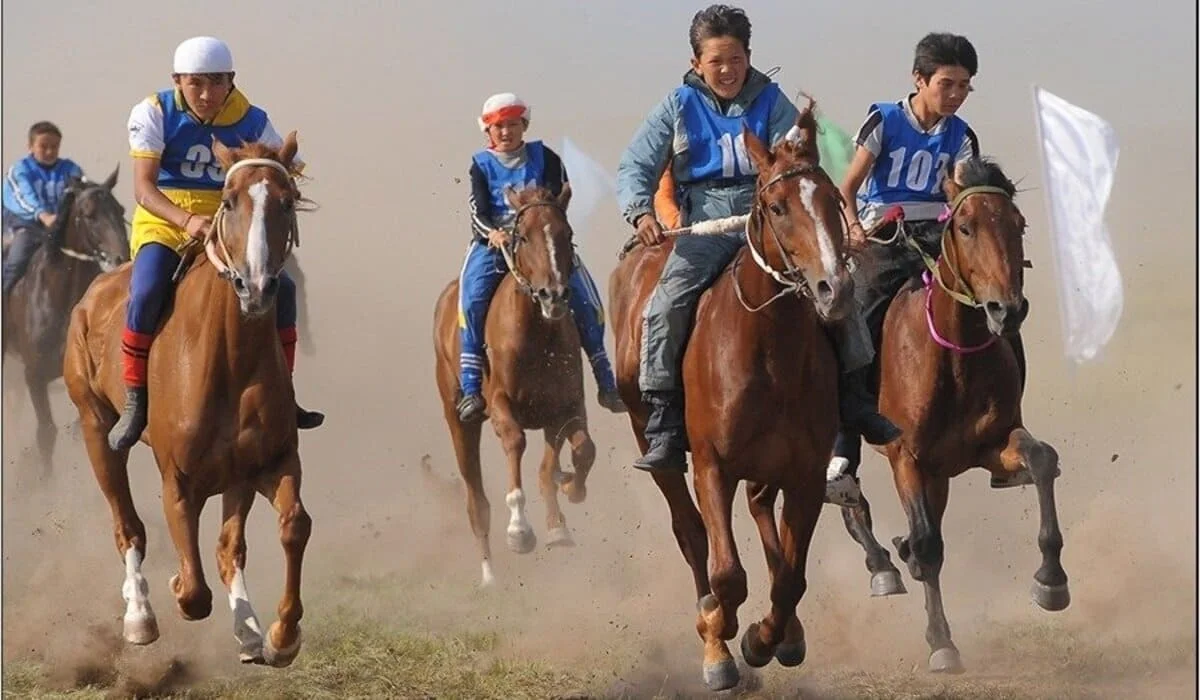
(255, 228)
(796, 220)
(92, 222)
(541, 255)
(982, 245)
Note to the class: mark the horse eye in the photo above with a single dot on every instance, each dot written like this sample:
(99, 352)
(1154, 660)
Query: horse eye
(962, 228)
(776, 208)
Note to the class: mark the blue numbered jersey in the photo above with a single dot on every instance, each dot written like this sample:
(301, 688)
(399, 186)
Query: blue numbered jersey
(911, 163)
(187, 161)
(715, 146)
(529, 174)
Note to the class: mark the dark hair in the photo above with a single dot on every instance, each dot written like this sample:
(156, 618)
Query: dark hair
(717, 21)
(980, 171)
(939, 49)
(43, 128)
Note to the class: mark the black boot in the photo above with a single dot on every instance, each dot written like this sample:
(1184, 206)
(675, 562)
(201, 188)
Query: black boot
(128, 429)
(665, 432)
(611, 400)
(859, 412)
(470, 408)
(307, 420)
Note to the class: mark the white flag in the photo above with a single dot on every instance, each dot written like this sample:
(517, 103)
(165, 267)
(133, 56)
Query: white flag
(590, 184)
(1079, 158)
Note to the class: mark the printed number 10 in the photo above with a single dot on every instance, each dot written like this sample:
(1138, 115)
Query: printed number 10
(733, 150)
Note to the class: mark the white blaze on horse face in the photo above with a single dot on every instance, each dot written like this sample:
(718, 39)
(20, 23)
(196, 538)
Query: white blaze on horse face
(257, 250)
(553, 256)
(824, 242)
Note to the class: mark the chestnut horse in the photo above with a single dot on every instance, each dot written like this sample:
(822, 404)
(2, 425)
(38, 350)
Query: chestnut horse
(760, 376)
(222, 415)
(91, 223)
(950, 379)
(533, 374)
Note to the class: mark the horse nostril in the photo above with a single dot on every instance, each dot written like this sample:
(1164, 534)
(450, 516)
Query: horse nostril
(824, 291)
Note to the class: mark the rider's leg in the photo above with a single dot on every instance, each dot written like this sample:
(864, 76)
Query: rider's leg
(149, 285)
(588, 312)
(285, 322)
(694, 262)
(27, 237)
(482, 272)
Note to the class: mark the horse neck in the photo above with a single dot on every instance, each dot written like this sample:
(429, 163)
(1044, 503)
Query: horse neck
(241, 341)
(955, 322)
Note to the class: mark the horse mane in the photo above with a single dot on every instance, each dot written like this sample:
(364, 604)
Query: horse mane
(981, 171)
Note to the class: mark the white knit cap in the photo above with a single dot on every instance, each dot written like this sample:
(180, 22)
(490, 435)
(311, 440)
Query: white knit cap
(203, 54)
(506, 102)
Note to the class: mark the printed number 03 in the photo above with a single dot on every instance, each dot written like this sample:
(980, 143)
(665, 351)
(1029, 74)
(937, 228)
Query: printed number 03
(199, 162)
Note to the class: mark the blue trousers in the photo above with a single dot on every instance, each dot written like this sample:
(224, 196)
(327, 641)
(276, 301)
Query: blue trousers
(28, 236)
(150, 286)
(482, 272)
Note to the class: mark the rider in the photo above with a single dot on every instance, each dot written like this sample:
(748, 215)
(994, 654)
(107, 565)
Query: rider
(33, 191)
(696, 130)
(510, 160)
(904, 151)
(177, 185)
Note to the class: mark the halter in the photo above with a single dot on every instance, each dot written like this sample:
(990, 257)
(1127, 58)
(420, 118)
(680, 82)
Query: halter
(225, 270)
(510, 256)
(96, 256)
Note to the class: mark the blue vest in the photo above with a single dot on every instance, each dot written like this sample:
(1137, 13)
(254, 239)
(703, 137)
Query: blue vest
(47, 186)
(531, 173)
(187, 161)
(716, 149)
(911, 164)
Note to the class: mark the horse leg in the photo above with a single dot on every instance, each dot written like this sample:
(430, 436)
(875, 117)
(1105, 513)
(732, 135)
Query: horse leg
(885, 577)
(231, 564)
(924, 500)
(110, 468)
(781, 632)
(583, 456)
(281, 486)
(182, 510)
(47, 432)
(465, 437)
(760, 498)
(512, 438)
(556, 523)
(1024, 452)
(717, 621)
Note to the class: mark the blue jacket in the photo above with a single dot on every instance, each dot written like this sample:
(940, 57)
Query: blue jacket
(663, 136)
(31, 188)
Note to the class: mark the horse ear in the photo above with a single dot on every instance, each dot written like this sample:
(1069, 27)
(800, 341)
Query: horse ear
(223, 153)
(564, 197)
(759, 155)
(111, 182)
(287, 152)
(510, 195)
(806, 130)
(950, 184)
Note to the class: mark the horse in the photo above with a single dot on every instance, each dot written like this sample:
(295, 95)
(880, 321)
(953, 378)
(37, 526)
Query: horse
(222, 415)
(91, 228)
(533, 374)
(760, 377)
(951, 380)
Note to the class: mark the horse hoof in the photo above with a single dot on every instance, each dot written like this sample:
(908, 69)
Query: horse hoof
(521, 541)
(1051, 598)
(791, 655)
(252, 656)
(559, 537)
(722, 675)
(574, 492)
(194, 608)
(885, 583)
(945, 660)
(280, 658)
(141, 629)
(751, 657)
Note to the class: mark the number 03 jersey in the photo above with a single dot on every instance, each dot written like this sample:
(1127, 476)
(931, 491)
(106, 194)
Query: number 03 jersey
(162, 128)
(910, 162)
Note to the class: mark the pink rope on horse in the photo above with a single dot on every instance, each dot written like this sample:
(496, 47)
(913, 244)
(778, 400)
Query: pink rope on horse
(927, 278)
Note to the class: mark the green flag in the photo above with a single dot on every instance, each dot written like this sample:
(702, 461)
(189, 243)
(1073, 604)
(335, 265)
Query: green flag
(836, 149)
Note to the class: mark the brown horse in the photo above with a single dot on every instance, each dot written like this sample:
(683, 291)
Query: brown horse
(533, 376)
(91, 228)
(949, 378)
(222, 419)
(761, 379)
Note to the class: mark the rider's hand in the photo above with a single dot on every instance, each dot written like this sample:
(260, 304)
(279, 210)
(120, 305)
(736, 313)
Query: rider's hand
(48, 219)
(649, 231)
(858, 235)
(497, 238)
(197, 226)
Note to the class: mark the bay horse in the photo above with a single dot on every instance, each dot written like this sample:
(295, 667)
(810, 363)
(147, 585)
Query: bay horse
(950, 379)
(222, 417)
(533, 374)
(91, 228)
(760, 376)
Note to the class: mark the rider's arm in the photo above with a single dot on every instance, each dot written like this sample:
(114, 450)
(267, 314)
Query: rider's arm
(643, 162)
(782, 118)
(555, 171)
(480, 203)
(869, 145)
(26, 194)
(146, 146)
